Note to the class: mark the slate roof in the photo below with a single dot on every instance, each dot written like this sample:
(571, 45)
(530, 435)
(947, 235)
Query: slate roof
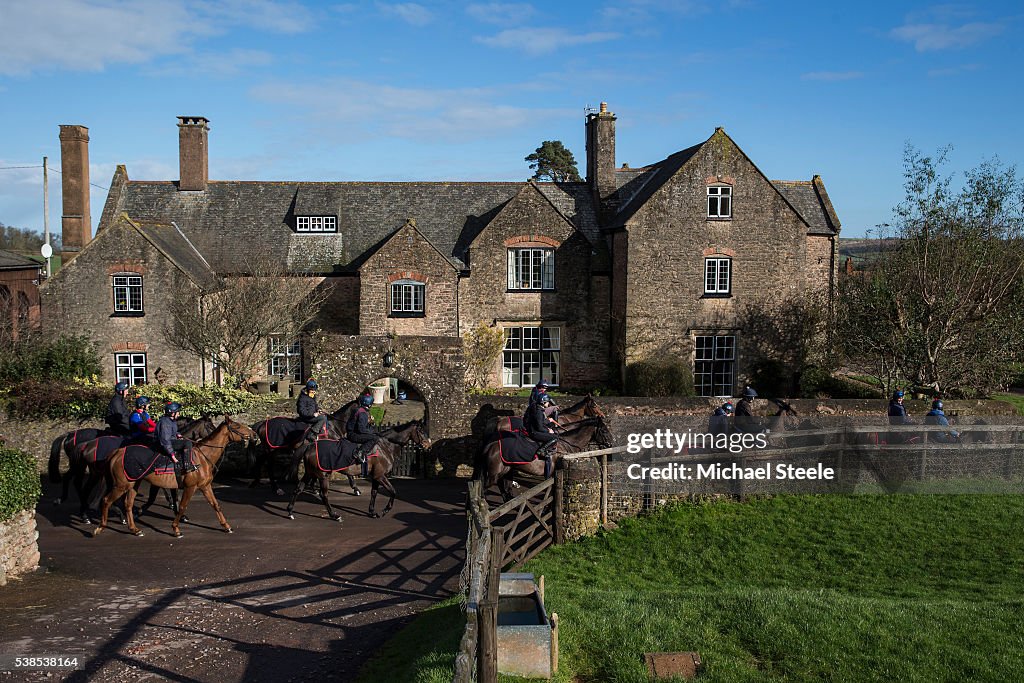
(226, 221)
(810, 201)
(12, 261)
(173, 244)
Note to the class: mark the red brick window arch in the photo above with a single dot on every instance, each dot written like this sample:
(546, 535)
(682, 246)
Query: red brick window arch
(408, 298)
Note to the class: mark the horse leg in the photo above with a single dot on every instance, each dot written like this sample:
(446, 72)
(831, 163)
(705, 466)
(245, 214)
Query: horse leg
(259, 466)
(212, 500)
(185, 498)
(298, 489)
(390, 488)
(115, 493)
(352, 485)
(129, 503)
(323, 496)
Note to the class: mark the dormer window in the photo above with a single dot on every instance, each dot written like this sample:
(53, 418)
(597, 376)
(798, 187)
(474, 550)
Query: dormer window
(719, 201)
(316, 224)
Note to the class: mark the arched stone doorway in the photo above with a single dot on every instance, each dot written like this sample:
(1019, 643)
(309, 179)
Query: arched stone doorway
(398, 401)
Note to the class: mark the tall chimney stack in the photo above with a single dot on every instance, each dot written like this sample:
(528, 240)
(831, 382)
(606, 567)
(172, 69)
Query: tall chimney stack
(601, 156)
(193, 154)
(76, 221)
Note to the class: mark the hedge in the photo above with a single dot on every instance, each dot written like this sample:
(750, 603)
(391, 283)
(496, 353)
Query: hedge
(19, 482)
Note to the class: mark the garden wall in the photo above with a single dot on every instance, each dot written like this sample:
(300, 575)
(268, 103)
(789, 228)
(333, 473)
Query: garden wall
(19, 552)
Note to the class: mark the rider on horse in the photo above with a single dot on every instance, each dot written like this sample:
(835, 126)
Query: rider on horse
(745, 421)
(169, 442)
(309, 412)
(118, 416)
(719, 422)
(142, 425)
(937, 417)
(898, 416)
(538, 424)
(358, 428)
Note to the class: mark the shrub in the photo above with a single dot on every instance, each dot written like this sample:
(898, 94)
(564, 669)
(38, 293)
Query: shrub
(659, 378)
(37, 357)
(19, 482)
(33, 398)
(197, 401)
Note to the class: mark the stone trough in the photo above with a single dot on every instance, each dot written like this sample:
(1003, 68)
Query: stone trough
(527, 639)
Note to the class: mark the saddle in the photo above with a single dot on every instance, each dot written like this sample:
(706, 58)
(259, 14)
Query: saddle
(284, 432)
(334, 455)
(514, 448)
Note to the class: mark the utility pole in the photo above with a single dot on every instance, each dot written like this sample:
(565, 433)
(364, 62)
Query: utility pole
(46, 215)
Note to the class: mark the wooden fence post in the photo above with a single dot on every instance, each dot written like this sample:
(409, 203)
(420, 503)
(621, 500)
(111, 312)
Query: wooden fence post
(487, 662)
(557, 506)
(604, 489)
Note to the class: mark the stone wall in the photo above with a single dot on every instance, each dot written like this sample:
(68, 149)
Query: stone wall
(19, 552)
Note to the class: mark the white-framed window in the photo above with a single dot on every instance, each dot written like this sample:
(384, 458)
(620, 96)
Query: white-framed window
(717, 275)
(407, 297)
(531, 353)
(127, 293)
(531, 268)
(714, 369)
(285, 360)
(316, 224)
(130, 367)
(719, 201)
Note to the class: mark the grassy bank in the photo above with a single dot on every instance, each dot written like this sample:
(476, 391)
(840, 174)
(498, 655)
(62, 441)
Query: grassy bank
(794, 588)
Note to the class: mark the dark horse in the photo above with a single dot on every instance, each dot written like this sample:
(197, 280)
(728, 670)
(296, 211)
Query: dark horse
(77, 444)
(205, 455)
(587, 407)
(490, 467)
(263, 455)
(378, 465)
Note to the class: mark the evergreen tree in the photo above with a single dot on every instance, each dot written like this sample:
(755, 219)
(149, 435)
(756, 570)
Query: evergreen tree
(552, 161)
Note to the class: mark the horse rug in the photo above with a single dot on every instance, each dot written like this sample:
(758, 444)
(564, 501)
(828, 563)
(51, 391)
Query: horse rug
(100, 449)
(140, 461)
(82, 435)
(513, 424)
(332, 455)
(284, 432)
(514, 448)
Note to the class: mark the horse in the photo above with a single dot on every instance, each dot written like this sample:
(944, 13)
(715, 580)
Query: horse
(490, 467)
(587, 407)
(76, 445)
(265, 453)
(378, 465)
(205, 455)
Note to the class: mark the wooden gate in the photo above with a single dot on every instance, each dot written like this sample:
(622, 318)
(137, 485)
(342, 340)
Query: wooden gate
(409, 462)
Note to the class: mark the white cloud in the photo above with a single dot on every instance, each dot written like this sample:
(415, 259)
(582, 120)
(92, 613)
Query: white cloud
(357, 110)
(500, 13)
(409, 12)
(89, 35)
(541, 41)
(832, 75)
(223, 64)
(953, 70)
(943, 36)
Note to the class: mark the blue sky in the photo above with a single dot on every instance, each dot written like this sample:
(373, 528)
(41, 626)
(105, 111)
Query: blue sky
(463, 91)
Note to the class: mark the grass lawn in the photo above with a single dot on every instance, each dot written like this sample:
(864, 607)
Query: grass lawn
(791, 588)
(1016, 399)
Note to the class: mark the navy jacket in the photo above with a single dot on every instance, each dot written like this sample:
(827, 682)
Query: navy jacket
(719, 422)
(898, 414)
(359, 423)
(166, 433)
(306, 407)
(118, 416)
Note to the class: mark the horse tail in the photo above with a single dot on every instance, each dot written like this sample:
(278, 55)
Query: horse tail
(54, 464)
(479, 461)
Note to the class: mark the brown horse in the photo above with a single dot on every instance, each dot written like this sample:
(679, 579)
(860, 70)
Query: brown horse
(575, 438)
(206, 454)
(378, 465)
(264, 455)
(587, 407)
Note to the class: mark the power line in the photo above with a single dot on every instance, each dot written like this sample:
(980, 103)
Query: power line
(93, 184)
(7, 168)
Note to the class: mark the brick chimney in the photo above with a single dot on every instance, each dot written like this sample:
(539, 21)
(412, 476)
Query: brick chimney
(76, 221)
(601, 156)
(193, 154)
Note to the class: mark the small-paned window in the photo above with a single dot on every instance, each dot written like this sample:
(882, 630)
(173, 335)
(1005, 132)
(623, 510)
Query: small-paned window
(717, 275)
(407, 297)
(130, 367)
(531, 268)
(128, 293)
(316, 224)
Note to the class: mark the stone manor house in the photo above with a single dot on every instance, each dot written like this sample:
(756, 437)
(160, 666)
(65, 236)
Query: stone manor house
(583, 278)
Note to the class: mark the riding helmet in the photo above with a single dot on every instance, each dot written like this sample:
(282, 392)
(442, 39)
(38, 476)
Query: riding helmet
(748, 392)
(141, 402)
(172, 407)
(728, 407)
(897, 394)
(311, 384)
(543, 384)
(366, 400)
(121, 386)
(937, 404)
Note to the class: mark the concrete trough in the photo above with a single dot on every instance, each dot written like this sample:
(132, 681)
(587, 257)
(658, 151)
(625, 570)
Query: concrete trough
(527, 638)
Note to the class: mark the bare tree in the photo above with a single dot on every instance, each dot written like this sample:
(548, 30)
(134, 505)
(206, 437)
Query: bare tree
(233, 324)
(943, 310)
(482, 347)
